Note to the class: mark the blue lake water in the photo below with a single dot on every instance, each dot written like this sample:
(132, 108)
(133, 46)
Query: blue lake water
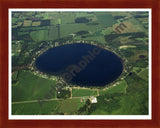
(81, 64)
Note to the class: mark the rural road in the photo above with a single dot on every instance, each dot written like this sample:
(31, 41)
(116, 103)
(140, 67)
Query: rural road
(34, 101)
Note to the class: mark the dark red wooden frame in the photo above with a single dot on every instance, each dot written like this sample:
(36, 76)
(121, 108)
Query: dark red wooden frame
(6, 4)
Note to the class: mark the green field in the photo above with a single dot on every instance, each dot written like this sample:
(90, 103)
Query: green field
(40, 35)
(106, 20)
(72, 106)
(144, 74)
(67, 29)
(119, 88)
(83, 92)
(31, 87)
(27, 23)
(53, 33)
(47, 108)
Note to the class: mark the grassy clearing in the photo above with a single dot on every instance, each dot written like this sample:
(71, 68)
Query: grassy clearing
(27, 23)
(49, 107)
(40, 35)
(107, 31)
(66, 17)
(67, 29)
(137, 25)
(119, 88)
(70, 106)
(83, 92)
(136, 55)
(130, 27)
(31, 87)
(105, 19)
(36, 23)
(144, 74)
(84, 14)
(34, 28)
(22, 33)
(57, 107)
(53, 33)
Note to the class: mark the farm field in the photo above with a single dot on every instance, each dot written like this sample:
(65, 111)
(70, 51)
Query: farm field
(72, 106)
(83, 92)
(48, 107)
(40, 35)
(31, 87)
(34, 108)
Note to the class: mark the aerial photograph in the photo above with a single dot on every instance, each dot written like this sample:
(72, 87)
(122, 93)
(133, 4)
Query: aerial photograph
(79, 62)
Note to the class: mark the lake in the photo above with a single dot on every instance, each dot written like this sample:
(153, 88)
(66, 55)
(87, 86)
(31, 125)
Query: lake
(81, 64)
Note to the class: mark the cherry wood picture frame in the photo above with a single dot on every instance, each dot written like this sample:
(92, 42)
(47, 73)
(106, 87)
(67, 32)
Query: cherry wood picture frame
(107, 4)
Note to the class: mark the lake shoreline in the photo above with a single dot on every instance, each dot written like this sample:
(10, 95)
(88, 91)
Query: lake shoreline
(59, 78)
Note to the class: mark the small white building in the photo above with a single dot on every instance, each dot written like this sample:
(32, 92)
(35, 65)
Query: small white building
(93, 99)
